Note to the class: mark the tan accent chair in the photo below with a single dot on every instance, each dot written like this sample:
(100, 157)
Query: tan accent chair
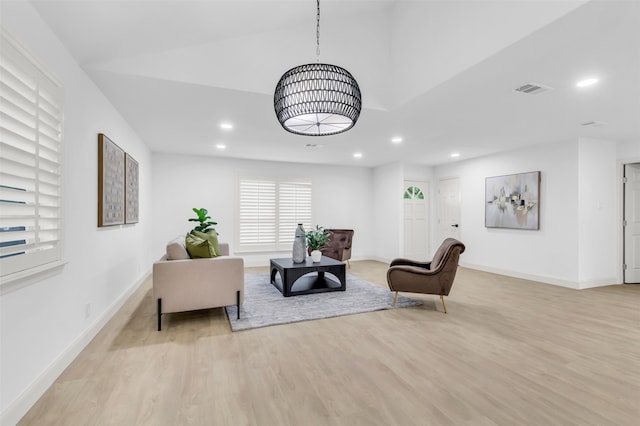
(435, 277)
(339, 245)
(184, 284)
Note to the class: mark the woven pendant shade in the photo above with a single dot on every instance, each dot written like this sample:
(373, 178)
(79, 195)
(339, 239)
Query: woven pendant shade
(317, 99)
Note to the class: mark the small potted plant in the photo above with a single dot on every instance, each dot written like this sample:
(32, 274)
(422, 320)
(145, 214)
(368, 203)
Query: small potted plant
(316, 239)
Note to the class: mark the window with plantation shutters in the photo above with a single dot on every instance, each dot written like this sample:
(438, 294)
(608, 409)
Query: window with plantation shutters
(294, 207)
(30, 165)
(269, 212)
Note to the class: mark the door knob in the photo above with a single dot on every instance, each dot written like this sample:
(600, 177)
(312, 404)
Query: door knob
(455, 225)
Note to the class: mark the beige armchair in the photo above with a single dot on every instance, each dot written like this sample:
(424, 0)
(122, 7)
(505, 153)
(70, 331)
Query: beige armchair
(435, 277)
(184, 284)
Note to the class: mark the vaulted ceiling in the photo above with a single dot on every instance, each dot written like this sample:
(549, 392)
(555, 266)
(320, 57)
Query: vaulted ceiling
(439, 74)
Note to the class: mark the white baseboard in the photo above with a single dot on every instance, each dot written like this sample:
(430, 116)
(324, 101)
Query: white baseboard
(542, 278)
(599, 283)
(18, 408)
(378, 259)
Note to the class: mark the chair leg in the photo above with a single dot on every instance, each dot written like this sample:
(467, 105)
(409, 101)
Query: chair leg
(238, 302)
(159, 314)
(443, 304)
(348, 263)
(395, 299)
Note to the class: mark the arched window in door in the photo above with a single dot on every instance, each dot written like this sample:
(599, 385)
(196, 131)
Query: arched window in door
(413, 192)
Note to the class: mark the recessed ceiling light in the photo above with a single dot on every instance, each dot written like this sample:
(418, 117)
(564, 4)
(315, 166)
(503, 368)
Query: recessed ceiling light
(357, 155)
(221, 146)
(226, 126)
(396, 139)
(587, 82)
(455, 155)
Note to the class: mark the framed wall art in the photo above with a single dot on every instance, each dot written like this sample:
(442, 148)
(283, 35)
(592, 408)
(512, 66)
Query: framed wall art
(111, 188)
(513, 201)
(131, 194)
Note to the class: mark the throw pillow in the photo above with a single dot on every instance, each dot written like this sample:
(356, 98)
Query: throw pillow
(176, 250)
(198, 247)
(212, 237)
(202, 245)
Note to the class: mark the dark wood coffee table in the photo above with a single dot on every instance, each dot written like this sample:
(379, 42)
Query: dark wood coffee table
(295, 279)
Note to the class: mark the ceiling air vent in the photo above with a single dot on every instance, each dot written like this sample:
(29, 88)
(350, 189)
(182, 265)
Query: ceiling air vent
(533, 88)
(593, 124)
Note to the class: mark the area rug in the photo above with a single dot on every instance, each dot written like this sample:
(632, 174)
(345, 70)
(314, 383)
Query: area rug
(264, 305)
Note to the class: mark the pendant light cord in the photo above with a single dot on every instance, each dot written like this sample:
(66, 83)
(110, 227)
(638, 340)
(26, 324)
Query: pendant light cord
(318, 33)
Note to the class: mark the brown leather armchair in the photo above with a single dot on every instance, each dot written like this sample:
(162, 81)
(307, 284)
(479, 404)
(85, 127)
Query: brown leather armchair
(435, 277)
(339, 245)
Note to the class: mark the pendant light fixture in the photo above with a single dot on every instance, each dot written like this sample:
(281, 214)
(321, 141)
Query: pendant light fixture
(317, 99)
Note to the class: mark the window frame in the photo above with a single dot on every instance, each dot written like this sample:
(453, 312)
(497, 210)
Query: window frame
(282, 240)
(34, 207)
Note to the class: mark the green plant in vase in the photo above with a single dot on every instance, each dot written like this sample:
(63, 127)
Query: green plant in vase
(316, 239)
(202, 241)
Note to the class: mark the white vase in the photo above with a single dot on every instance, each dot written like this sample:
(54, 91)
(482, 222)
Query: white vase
(316, 255)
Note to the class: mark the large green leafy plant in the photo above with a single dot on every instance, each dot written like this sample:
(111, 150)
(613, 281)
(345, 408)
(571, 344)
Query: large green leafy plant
(317, 238)
(204, 220)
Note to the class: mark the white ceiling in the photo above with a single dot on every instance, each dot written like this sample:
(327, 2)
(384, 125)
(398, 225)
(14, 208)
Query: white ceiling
(440, 74)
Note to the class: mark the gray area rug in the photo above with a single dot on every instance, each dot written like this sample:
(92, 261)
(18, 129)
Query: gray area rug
(264, 305)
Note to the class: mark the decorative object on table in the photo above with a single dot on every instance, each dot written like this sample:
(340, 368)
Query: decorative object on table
(435, 277)
(131, 190)
(512, 201)
(202, 241)
(264, 305)
(111, 187)
(317, 99)
(299, 254)
(316, 239)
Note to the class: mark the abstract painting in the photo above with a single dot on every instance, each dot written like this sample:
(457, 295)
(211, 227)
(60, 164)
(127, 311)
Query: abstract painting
(131, 195)
(513, 201)
(111, 191)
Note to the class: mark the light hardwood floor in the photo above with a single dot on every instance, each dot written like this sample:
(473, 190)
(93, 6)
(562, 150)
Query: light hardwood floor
(509, 352)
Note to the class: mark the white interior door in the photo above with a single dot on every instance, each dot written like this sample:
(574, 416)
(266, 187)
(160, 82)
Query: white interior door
(632, 223)
(416, 220)
(449, 209)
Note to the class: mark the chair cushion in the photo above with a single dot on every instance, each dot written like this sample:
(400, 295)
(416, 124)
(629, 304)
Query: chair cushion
(176, 249)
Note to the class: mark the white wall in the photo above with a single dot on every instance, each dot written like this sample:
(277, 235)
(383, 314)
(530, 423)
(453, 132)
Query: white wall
(549, 254)
(388, 182)
(597, 213)
(418, 172)
(342, 198)
(44, 321)
(629, 151)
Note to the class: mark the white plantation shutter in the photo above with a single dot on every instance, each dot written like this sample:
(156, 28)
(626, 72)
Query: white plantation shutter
(294, 202)
(30, 164)
(257, 215)
(269, 212)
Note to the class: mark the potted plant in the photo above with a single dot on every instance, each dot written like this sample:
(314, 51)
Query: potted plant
(316, 239)
(205, 224)
(202, 241)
